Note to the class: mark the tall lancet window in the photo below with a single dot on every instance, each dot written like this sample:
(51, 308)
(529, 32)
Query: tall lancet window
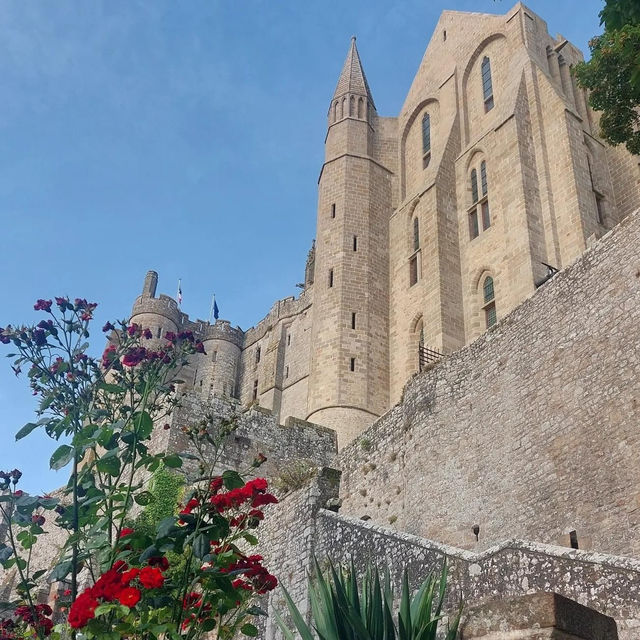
(426, 140)
(486, 217)
(489, 302)
(487, 85)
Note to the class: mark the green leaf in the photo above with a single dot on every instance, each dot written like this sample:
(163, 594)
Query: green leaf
(143, 424)
(26, 430)
(60, 571)
(144, 498)
(61, 457)
(232, 479)
(164, 526)
(209, 624)
(201, 546)
(251, 539)
(249, 630)
(111, 388)
(110, 465)
(173, 461)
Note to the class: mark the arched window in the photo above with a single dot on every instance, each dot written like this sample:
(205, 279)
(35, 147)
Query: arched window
(474, 229)
(486, 217)
(426, 140)
(335, 111)
(479, 208)
(360, 108)
(489, 302)
(487, 85)
(352, 106)
(416, 234)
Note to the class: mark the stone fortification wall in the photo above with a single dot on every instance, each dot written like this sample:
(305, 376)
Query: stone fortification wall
(605, 583)
(531, 431)
(257, 431)
(274, 364)
(300, 527)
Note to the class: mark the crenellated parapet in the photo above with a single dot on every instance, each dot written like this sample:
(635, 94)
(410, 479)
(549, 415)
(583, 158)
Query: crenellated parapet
(222, 330)
(281, 310)
(163, 306)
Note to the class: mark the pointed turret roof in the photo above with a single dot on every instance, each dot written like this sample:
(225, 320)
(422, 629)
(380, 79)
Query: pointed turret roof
(352, 78)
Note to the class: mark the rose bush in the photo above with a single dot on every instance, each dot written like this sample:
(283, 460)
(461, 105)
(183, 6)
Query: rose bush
(188, 574)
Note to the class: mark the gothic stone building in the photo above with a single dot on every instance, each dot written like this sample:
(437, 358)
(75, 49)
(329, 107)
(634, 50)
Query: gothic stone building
(431, 225)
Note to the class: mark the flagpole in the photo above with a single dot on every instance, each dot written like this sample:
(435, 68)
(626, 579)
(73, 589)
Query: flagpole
(179, 296)
(213, 301)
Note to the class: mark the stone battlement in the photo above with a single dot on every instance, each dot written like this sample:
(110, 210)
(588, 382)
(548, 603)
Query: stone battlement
(163, 306)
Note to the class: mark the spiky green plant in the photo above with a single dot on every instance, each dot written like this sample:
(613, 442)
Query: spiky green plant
(344, 609)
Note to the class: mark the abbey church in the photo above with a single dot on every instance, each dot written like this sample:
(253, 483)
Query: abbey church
(432, 225)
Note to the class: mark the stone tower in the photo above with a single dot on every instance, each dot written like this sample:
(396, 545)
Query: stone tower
(348, 385)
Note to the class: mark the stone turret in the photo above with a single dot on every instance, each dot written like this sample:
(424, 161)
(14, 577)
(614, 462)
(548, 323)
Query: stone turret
(158, 314)
(222, 344)
(348, 386)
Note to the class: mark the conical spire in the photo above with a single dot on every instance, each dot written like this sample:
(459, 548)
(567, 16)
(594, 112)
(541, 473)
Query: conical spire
(352, 79)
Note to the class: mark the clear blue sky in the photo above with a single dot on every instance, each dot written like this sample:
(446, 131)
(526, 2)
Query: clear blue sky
(185, 137)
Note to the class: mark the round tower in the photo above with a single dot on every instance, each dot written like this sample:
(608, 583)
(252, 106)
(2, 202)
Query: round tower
(348, 386)
(157, 314)
(222, 344)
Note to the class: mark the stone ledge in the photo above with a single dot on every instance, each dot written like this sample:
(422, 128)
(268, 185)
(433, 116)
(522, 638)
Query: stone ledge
(497, 619)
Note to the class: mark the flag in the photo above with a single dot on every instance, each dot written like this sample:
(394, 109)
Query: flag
(216, 312)
(179, 296)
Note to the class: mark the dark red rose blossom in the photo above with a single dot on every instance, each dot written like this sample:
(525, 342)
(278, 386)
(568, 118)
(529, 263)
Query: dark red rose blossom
(133, 329)
(39, 337)
(129, 597)
(43, 305)
(82, 610)
(108, 327)
(109, 356)
(170, 336)
(159, 561)
(151, 578)
(39, 520)
(134, 356)
(125, 531)
(199, 347)
(147, 335)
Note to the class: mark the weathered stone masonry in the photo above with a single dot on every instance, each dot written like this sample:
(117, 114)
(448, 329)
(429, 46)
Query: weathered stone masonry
(531, 431)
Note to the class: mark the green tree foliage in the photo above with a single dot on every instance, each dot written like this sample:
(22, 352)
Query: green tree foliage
(613, 73)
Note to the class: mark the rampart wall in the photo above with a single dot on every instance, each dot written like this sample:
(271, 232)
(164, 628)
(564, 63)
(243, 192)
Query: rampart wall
(257, 431)
(300, 528)
(530, 432)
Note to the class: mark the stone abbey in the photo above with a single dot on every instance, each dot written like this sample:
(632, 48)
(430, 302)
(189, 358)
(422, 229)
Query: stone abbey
(487, 233)
(431, 225)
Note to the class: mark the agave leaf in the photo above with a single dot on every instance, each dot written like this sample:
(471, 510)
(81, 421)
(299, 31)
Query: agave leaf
(452, 632)
(303, 628)
(404, 615)
(286, 632)
(325, 620)
(443, 587)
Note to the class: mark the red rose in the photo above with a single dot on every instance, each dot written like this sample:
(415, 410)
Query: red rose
(134, 356)
(129, 597)
(128, 576)
(43, 305)
(151, 578)
(125, 532)
(264, 498)
(82, 610)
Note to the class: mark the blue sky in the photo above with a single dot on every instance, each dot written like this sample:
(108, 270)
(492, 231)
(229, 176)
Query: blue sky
(185, 137)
